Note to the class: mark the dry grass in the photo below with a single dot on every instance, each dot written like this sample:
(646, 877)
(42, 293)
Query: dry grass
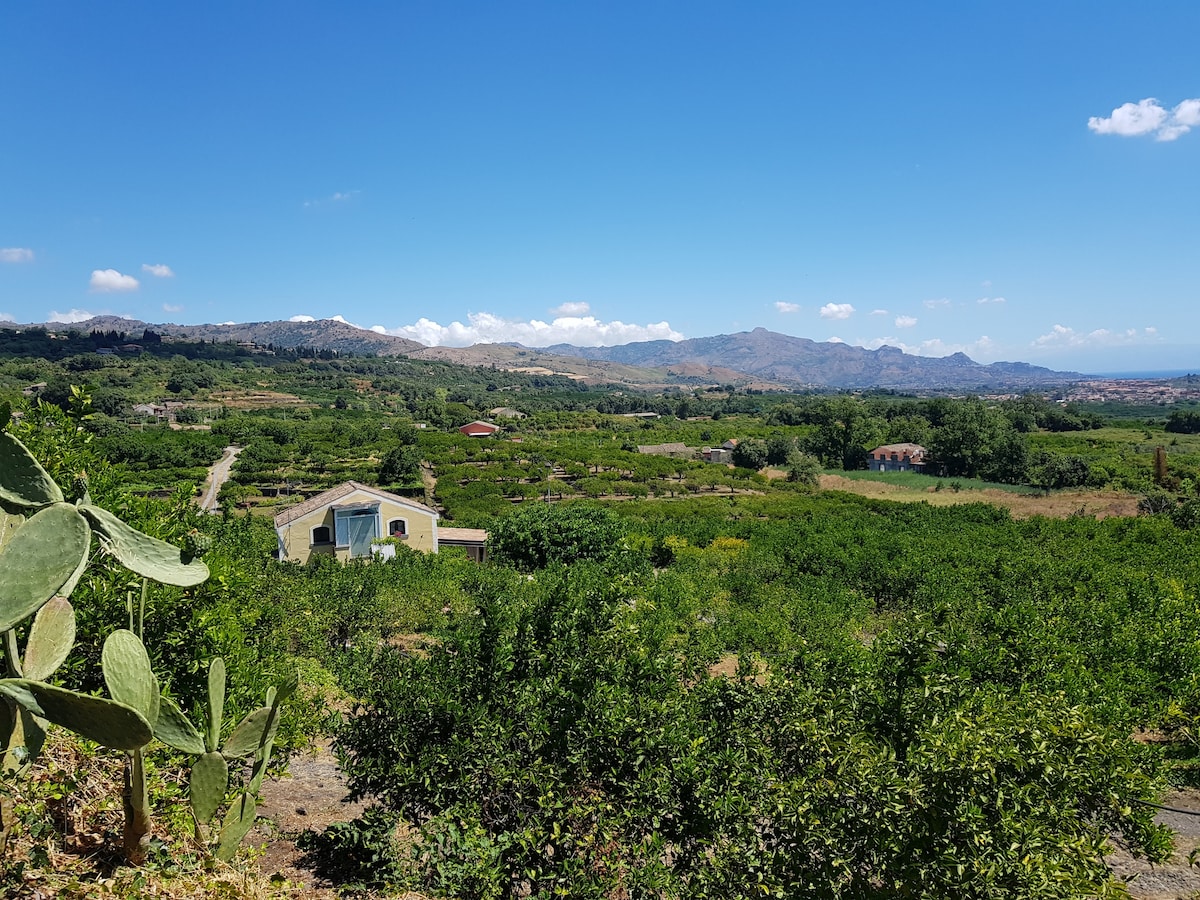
(263, 399)
(66, 840)
(1057, 505)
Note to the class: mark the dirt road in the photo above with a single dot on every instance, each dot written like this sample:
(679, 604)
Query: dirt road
(218, 474)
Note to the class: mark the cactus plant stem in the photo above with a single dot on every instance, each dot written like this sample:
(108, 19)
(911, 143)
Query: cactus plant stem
(137, 809)
(142, 608)
(12, 653)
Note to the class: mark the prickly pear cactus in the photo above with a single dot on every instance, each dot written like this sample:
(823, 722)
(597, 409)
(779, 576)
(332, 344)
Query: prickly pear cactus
(239, 819)
(206, 787)
(41, 559)
(51, 638)
(98, 719)
(128, 675)
(23, 481)
(252, 732)
(216, 702)
(175, 730)
(79, 489)
(149, 557)
(196, 543)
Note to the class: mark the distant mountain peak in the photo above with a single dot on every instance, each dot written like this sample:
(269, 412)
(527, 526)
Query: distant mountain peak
(757, 356)
(770, 356)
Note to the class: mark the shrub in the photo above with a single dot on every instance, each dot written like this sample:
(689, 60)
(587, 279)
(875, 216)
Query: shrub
(540, 534)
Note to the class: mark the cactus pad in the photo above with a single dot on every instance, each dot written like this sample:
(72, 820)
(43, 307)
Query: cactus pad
(254, 731)
(143, 554)
(127, 673)
(39, 559)
(237, 824)
(216, 701)
(175, 730)
(50, 639)
(22, 479)
(206, 788)
(98, 719)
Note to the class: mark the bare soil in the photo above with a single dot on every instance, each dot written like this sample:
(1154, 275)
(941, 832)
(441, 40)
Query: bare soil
(312, 796)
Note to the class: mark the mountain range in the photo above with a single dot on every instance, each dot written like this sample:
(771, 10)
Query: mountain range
(760, 357)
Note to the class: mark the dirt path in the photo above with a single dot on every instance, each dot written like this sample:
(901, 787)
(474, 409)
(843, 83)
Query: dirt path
(218, 474)
(430, 481)
(312, 796)
(1176, 880)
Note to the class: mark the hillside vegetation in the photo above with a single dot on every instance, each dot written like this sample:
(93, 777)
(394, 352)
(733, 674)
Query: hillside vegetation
(676, 678)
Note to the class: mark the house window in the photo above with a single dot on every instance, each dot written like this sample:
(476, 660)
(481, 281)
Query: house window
(356, 527)
(398, 528)
(321, 535)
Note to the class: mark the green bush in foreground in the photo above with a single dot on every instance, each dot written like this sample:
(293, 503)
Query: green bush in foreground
(547, 748)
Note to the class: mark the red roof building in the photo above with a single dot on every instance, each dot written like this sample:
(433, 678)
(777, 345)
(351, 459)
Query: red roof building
(479, 429)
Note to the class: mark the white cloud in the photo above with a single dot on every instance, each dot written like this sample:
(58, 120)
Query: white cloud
(486, 328)
(6, 317)
(837, 311)
(835, 340)
(68, 318)
(935, 346)
(167, 307)
(784, 307)
(906, 321)
(572, 308)
(158, 270)
(335, 197)
(940, 303)
(302, 319)
(343, 320)
(1149, 117)
(16, 254)
(1063, 336)
(879, 312)
(983, 300)
(108, 281)
(227, 323)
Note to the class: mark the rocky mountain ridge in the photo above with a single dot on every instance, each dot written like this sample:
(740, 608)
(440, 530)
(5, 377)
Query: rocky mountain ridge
(750, 357)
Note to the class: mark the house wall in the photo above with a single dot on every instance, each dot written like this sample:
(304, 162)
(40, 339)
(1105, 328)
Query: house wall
(295, 538)
(904, 464)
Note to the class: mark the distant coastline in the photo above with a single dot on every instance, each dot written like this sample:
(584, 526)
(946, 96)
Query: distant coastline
(1145, 374)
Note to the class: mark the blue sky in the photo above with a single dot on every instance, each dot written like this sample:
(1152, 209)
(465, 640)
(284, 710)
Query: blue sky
(1015, 180)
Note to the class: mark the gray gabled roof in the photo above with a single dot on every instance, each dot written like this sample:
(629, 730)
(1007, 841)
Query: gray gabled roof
(336, 493)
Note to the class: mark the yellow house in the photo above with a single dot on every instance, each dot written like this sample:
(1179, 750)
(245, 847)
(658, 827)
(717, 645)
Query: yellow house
(347, 520)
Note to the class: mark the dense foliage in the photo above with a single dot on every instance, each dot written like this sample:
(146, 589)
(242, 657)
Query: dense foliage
(539, 535)
(549, 746)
